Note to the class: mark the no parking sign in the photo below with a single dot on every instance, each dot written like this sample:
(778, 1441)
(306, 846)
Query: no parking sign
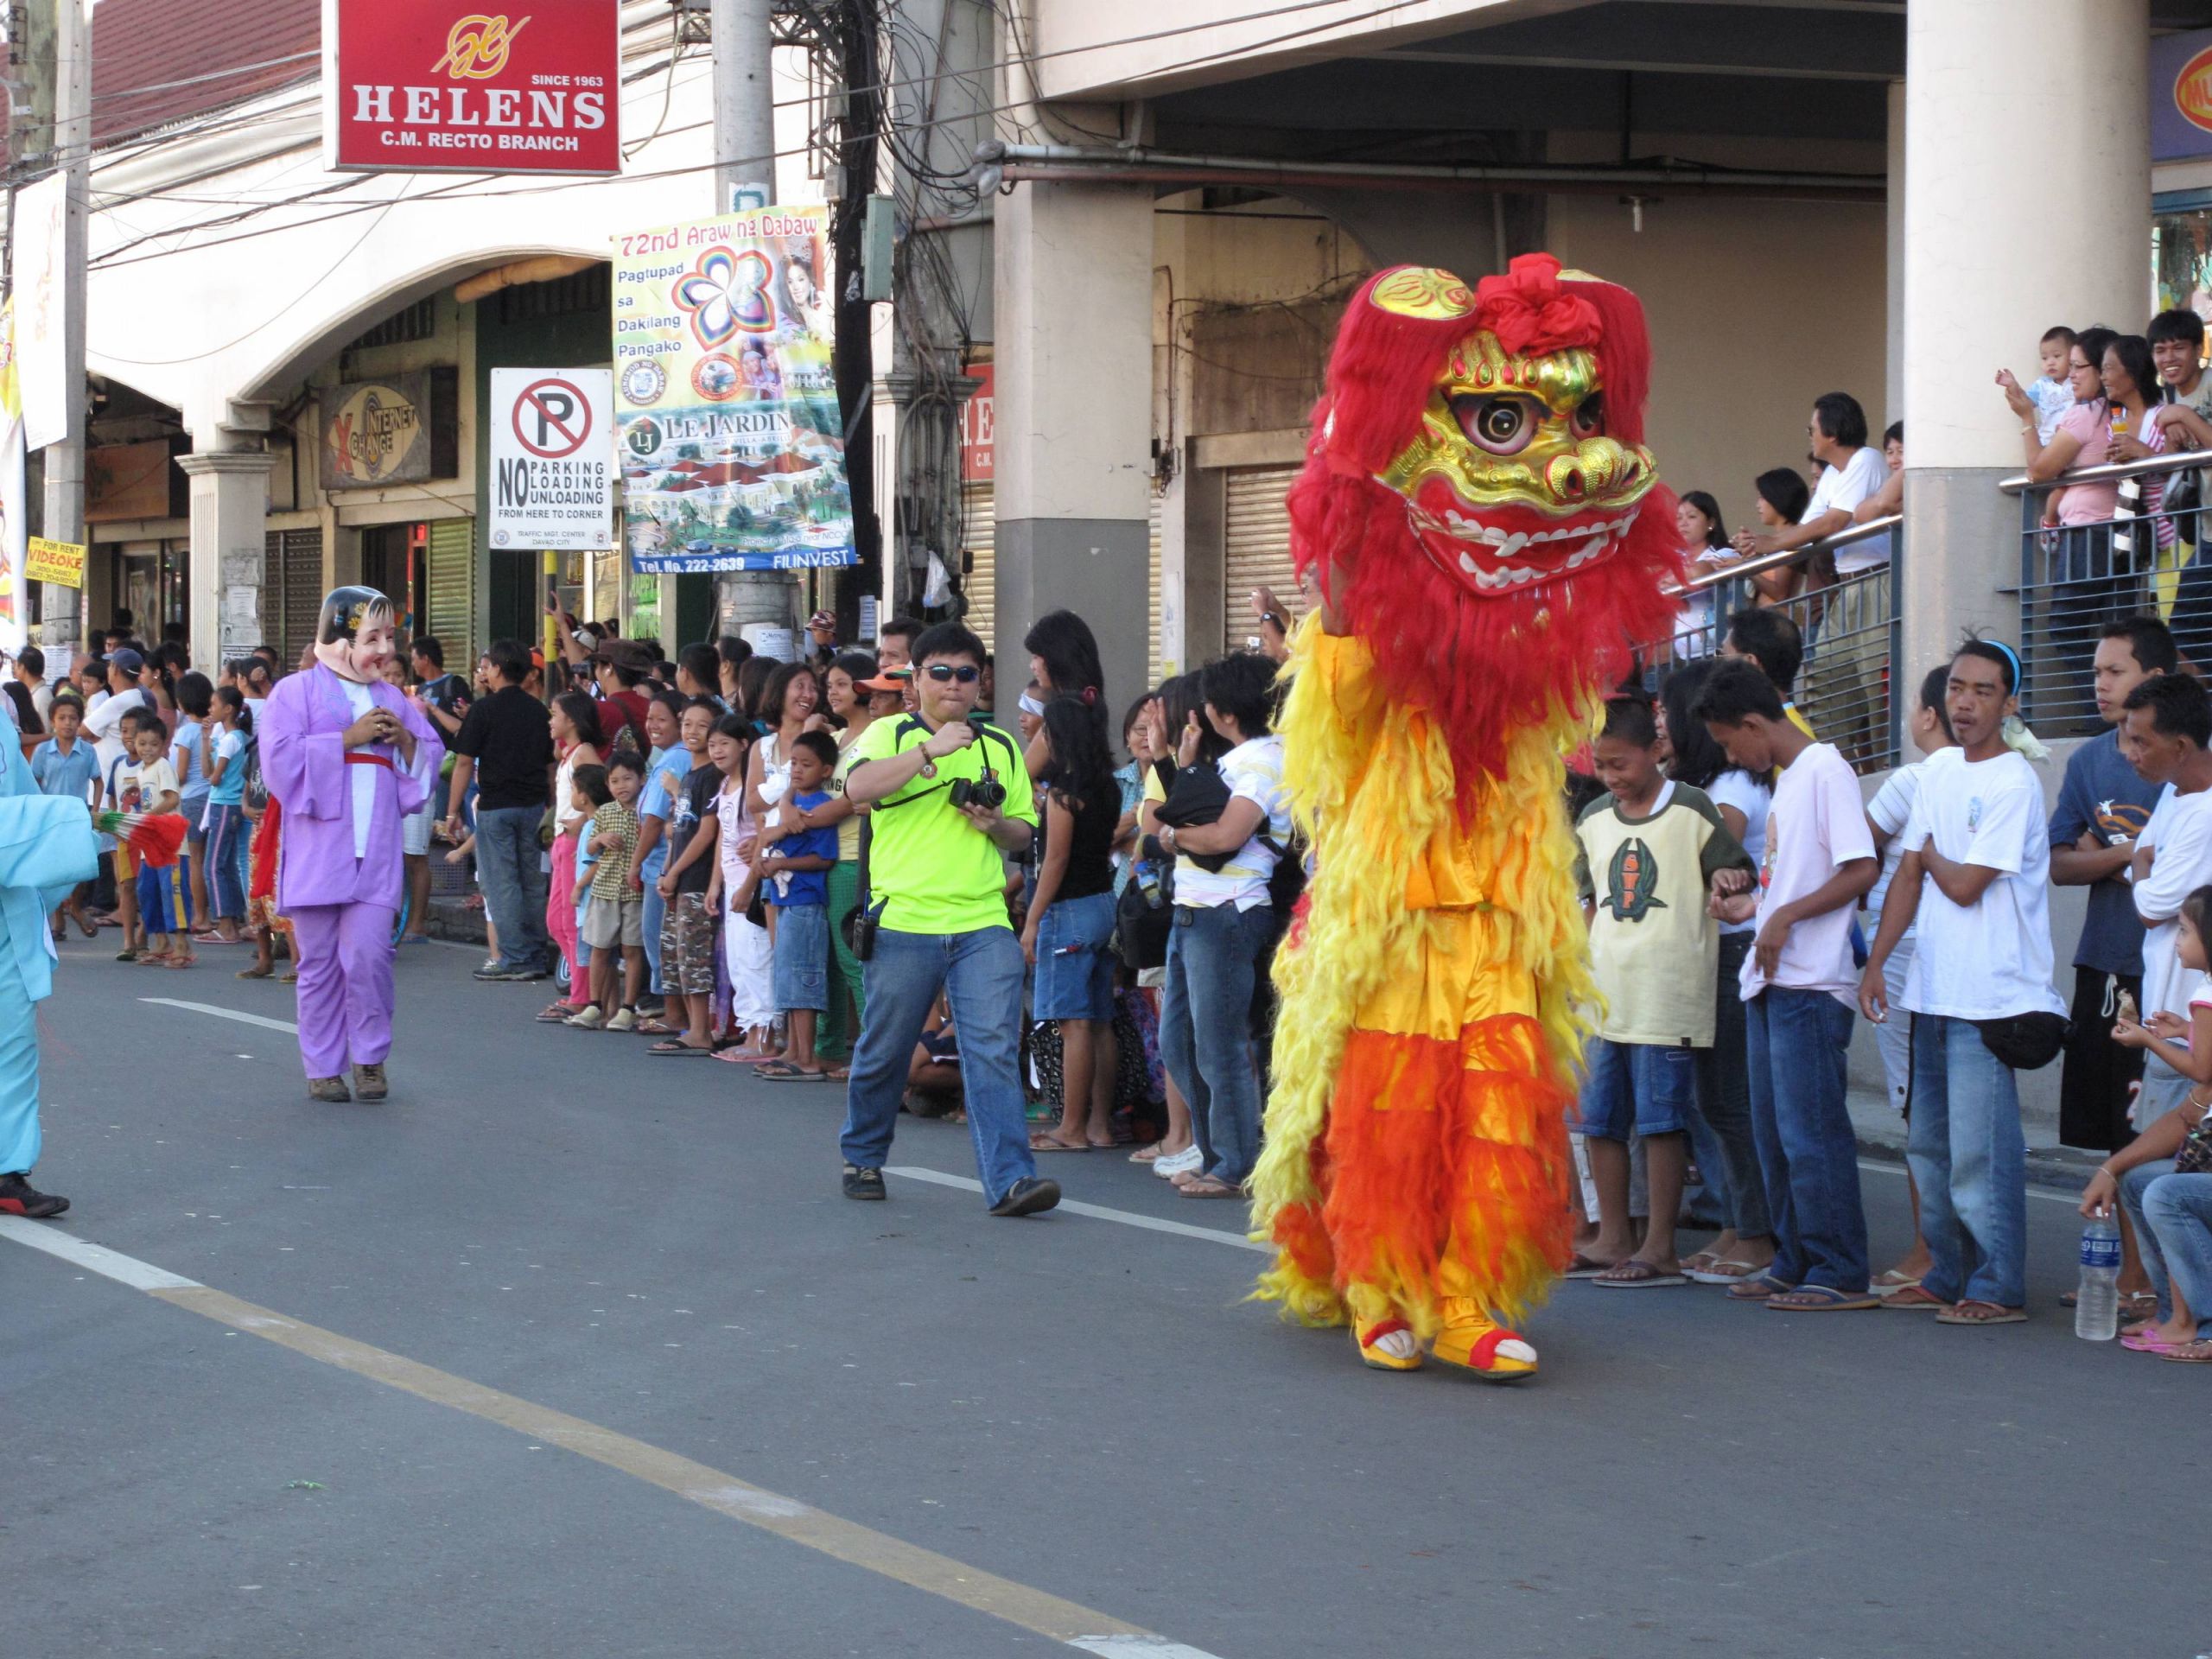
(553, 459)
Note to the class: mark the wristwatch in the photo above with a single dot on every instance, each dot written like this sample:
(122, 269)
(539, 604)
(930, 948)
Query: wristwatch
(929, 767)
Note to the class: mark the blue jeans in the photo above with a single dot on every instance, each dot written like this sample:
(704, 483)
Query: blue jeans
(2173, 1229)
(226, 854)
(802, 960)
(1794, 1043)
(1967, 1157)
(981, 973)
(507, 858)
(1205, 1029)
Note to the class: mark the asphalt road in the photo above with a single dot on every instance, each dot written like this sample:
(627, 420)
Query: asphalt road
(1084, 1408)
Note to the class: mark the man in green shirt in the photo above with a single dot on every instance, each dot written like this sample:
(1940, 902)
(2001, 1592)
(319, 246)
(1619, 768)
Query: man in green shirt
(935, 881)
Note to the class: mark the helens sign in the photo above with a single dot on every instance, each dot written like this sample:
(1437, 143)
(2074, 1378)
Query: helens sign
(472, 86)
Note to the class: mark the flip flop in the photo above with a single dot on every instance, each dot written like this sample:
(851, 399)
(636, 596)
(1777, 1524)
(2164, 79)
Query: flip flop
(1634, 1274)
(1045, 1143)
(658, 1027)
(1890, 1283)
(1720, 1273)
(674, 1048)
(1914, 1299)
(1821, 1299)
(784, 1071)
(1206, 1187)
(1581, 1267)
(255, 973)
(1996, 1315)
(1758, 1289)
(2191, 1353)
(2142, 1342)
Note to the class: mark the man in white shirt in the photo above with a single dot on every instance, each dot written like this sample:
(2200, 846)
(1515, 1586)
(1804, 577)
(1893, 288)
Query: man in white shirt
(104, 722)
(1818, 860)
(1976, 876)
(2165, 732)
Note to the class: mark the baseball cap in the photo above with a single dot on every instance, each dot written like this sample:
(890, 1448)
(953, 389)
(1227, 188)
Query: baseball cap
(126, 659)
(891, 679)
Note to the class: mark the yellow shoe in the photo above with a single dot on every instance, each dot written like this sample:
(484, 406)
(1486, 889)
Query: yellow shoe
(1473, 1341)
(1388, 1346)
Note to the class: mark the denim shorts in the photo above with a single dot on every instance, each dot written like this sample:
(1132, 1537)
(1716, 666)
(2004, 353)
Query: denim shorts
(801, 979)
(1075, 962)
(1642, 1086)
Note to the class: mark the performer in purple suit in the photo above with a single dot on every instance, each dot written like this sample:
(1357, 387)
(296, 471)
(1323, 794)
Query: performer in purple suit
(347, 758)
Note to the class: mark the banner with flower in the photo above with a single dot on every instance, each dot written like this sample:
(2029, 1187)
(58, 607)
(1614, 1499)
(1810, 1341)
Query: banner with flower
(15, 525)
(733, 447)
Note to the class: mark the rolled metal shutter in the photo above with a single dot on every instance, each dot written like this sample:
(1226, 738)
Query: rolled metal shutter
(978, 586)
(291, 590)
(452, 604)
(1257, 553)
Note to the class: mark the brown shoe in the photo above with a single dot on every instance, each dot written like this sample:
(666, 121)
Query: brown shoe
(332, 1089)
(368, 1083)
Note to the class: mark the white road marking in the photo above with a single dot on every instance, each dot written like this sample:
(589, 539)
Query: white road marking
(123, 1270)
(788, 1517)
(261, 1020)
(1097, 1213)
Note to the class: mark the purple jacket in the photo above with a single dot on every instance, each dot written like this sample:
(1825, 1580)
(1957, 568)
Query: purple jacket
(304, 762)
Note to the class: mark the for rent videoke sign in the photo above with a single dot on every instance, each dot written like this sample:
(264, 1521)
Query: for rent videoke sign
(472, 86)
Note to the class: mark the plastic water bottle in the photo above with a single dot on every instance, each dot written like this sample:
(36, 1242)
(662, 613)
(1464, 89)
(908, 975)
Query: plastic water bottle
(2096, 1303)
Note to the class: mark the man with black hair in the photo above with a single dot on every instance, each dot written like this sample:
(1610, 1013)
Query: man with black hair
(934, 874)
(1818, 862)
(2102, 807)
(894, 643)
(1974, 876)
(30, 674)
(506, 744)
(2178, 348)
(1852, 472)
(2166, 730)
(1769, 639)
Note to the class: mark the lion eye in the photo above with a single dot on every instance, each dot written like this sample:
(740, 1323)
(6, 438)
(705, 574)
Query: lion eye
(1504, 426)
(1590, 416)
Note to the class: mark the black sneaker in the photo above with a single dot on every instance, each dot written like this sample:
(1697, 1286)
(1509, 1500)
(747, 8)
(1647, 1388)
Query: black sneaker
(19, 1198)
(863, 1183)
(1028, 1198)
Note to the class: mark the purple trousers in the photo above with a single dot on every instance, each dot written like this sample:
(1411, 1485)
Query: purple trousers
(345, 958)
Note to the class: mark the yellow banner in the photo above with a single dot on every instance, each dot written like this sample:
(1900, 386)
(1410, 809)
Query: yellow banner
(62, 563)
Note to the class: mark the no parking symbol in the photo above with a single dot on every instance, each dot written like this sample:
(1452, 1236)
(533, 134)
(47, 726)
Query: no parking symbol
(552, 459)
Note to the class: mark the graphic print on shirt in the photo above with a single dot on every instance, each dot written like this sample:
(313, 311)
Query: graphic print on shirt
(2121, 820)
(1974, 813)
(1766, 851)
(1633, 879)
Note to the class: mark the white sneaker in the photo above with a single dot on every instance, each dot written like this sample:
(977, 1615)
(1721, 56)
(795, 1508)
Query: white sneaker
(624, 1019)
(1190, 1158)
(591, 1019)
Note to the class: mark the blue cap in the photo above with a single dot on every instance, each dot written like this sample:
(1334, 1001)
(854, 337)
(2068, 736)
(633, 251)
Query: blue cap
(126, 659)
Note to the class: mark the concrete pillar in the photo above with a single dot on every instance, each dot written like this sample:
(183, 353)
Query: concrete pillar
(1071, 345)
(230, 508)
(1893, 356)
(1985, 273)
(1193, 509)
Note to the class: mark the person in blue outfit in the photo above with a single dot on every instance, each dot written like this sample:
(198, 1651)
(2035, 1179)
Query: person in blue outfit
(46, 847)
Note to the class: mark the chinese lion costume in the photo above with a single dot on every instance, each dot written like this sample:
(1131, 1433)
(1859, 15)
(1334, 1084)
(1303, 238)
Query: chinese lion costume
(1488, 535)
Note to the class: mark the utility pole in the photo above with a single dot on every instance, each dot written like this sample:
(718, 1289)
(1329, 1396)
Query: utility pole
(62, 627)
(745, 155)
(853, 357)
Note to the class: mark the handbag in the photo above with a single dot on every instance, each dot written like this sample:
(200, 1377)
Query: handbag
(2194, 1155)
(858, 924)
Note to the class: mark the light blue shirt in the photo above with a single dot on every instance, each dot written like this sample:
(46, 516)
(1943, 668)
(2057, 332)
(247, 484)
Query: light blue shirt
(72, 773)
(653, 802)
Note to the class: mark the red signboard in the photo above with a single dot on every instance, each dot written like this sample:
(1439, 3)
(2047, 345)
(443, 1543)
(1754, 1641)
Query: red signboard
(975, 429)
(472, 86)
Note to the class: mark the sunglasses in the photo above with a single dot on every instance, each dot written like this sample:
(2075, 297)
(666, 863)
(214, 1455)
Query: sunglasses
(945, 673)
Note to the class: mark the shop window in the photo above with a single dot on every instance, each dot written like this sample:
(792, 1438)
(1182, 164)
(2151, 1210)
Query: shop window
(526, 302)
(2181, 255)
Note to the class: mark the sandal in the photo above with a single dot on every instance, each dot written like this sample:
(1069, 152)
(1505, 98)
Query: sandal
(1973, 1311)
(656, 1026)
(181, 962)
(1758, 1289)
(2191, 1353)
(674, 1048)
(255, 973)
(1821, 1299)
(1724, 1271)
(1914, 1299)
(1582, 1266)
(558, 1014)
(1205, 1186)
(1047, 1143)
(1636, 1274)
(784, 1071)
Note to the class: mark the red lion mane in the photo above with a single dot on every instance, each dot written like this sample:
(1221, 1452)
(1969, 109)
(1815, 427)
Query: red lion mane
(1484, 667)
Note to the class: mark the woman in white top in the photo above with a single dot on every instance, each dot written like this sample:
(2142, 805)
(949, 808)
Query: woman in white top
(1705, 549)
(790, 704)
(1783, 496)
(1721, 1128)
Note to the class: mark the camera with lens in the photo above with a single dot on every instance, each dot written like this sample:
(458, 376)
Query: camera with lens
(986, 793)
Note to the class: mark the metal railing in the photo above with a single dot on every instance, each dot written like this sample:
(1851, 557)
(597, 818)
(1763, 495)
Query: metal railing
(1850, 627)
(2075, 578)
